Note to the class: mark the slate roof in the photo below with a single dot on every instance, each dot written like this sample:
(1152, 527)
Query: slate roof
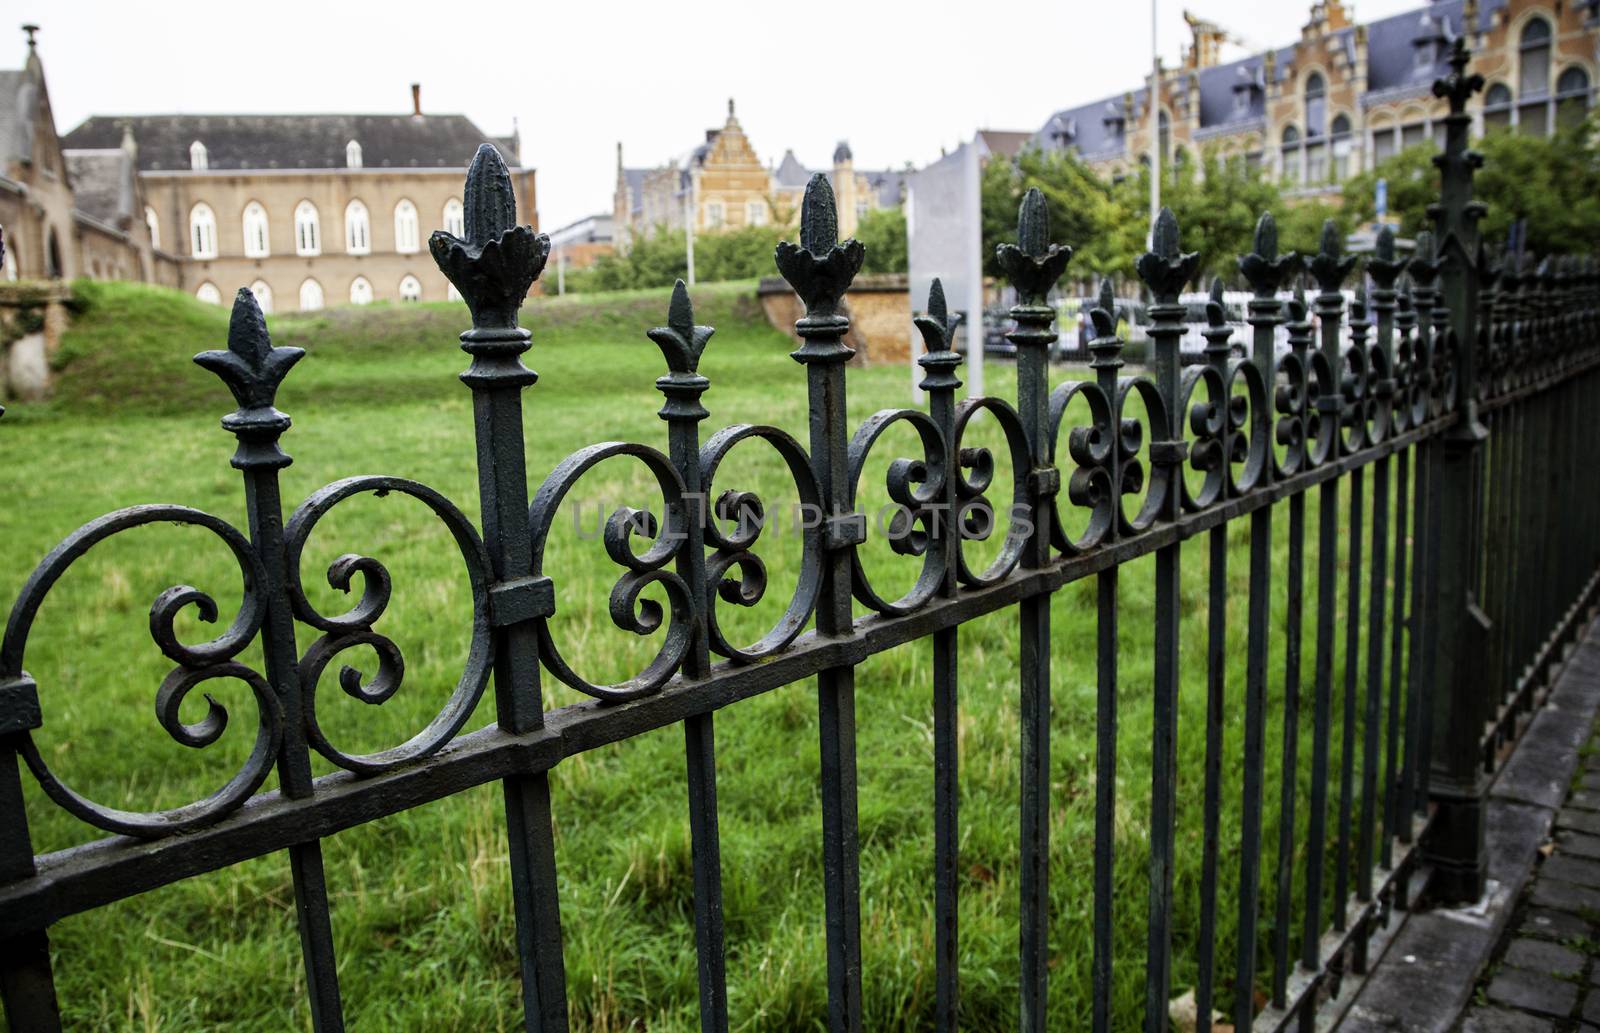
(791, 173)
(292, 141)
(102, 183)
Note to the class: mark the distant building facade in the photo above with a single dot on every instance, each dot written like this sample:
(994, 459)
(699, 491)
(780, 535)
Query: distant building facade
(1345, 96)
(581, 244)
(722, 185)
(306, 210)
(66, 211)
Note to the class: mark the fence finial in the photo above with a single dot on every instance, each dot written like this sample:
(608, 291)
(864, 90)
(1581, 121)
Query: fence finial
(681, 341)
(252, 368)
(938, 329)
(499, 260)
(1033, 264)
(1166, 268)
(819, 268)
(1265, 270)
(1330, 266)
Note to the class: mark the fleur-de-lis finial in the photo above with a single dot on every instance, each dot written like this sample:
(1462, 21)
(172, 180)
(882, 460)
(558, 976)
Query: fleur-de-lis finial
(1383, 266)
(1104, 313)
(253, 369)
(1424, 264)
(499, 260)
(938, 329)
(681, 341)
(1216, 311)
(1262, 267)
(1359, 306)
(1298, 310)
(1033, 264)
(1166, 268)
(1330, 266)
(820, 268)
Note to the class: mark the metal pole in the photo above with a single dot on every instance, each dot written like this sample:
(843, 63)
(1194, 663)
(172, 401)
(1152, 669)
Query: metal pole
(1155, 125)
(688, 229)
(974, 327)
(561, 271)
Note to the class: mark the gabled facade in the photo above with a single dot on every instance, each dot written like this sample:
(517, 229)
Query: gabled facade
(722, 184)
(1345, 96)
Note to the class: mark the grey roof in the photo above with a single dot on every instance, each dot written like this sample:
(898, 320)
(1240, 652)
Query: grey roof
(19, 105)
(102, 183)
(888, 186)
(791, 173)
(634, 178)
(292, 141)
(842, 153)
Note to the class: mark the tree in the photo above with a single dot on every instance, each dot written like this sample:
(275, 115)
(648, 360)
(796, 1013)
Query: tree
(1413, 184)
(883, 232)
(1217, 211)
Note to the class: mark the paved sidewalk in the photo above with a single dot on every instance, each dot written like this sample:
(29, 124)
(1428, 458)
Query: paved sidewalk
(1546, 971)
(1526, 956)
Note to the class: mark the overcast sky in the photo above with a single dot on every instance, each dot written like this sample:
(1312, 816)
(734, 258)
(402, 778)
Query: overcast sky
(899, 80)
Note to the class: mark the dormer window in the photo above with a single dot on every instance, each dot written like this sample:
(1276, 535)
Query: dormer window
(352, 155)
(197, 157)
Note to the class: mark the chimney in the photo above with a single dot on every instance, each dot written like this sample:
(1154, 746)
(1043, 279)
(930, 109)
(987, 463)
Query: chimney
(416, 100)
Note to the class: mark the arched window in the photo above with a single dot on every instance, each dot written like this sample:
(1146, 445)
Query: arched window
(1316, 105)
(1572, 97)
(1533, 78)
(55, 269)
(263, 295)
(1291, 155)
(357, 229)
(307, 229)
(352, 155)
(1164, 137)
(208, 293)
(197, 157)
(1180, 164)
(310, 296)
(360, 291)
(154, 225)
(455, 221)
(1341, 146)
(11, 264)
(410, 288)
(407, 235)
(255, 231)
(203, 232)
(1497, 108)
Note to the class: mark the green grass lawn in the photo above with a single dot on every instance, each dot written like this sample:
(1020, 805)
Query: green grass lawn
(422, 904)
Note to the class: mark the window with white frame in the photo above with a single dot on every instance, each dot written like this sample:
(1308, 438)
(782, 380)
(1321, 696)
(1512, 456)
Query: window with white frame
(255, 231)
(153, 224)
(1291, 155)
(203, 232)
(714, 214)
(360, 291)
(357, 229)
(352, 155)
(455, 219)
(1497, 108)
(208, 293)
(310, 296)
(1340, 147)
(407, 231)
(307, 230)
(197, 157)
(410, 288)
(755, 213)
(1533, 78)
(263, 294)
(1316, 105)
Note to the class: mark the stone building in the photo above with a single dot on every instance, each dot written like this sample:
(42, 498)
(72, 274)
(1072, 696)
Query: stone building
(67, 211)
(306, 210)
(1345, 95)
(723, 183)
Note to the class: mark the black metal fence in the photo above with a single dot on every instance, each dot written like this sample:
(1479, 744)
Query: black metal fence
(1464, 403)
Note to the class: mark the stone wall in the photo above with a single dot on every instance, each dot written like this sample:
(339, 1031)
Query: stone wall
(879, 308)
(33, 317)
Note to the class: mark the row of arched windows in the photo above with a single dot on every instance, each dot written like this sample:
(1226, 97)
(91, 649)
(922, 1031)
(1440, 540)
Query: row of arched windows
(308, 228)
(311, 295)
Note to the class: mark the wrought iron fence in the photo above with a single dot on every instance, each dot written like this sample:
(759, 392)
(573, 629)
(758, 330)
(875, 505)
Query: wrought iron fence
(1460, 392)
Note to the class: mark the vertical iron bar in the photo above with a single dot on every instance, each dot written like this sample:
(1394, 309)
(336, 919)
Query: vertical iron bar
(1165, 269)
(820, 270)
(493, 269)
(27, 985)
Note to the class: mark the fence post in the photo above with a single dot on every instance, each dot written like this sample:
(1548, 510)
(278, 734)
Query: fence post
(493, 269)
(1455, 844)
